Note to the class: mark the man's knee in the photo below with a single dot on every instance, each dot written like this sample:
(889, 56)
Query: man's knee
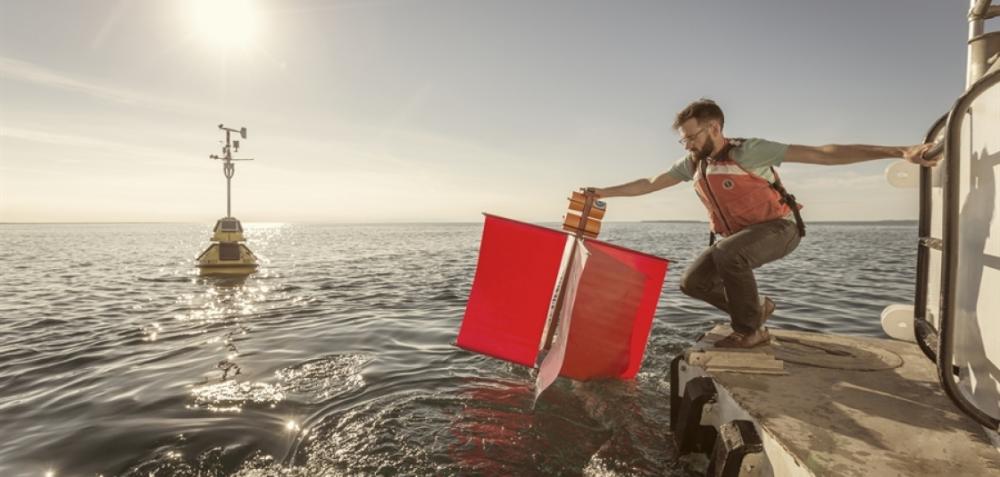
(686, 289)
(690, 286)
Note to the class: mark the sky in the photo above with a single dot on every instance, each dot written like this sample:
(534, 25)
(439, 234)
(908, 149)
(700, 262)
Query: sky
(439, 110)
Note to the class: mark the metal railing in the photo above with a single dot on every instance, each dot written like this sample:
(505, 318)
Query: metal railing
(924, 331)
(979, 53)
(983, 10)
(949, 261)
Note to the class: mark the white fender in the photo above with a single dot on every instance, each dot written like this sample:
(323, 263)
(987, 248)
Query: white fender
(903, 174)
(897, 322)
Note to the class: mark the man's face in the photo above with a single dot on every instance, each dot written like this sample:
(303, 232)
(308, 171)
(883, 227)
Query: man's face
(697, 138)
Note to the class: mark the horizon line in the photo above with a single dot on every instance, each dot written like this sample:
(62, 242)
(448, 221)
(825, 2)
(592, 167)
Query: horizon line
(431, 222)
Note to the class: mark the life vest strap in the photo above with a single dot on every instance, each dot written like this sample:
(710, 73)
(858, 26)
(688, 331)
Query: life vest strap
(789, 200)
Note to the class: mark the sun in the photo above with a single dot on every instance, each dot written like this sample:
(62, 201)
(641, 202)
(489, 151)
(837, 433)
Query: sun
(225, 24)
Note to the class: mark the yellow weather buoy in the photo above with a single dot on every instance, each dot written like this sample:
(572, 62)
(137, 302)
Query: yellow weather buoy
(228, 255)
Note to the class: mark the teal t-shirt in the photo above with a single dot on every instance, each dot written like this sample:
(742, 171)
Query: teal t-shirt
(755, 155)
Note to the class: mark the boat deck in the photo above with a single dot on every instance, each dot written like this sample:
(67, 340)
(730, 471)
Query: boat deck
(837, 405)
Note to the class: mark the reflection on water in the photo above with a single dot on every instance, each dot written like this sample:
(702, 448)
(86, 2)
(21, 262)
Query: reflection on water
(116, 358)
(323, 378)
(231, 396)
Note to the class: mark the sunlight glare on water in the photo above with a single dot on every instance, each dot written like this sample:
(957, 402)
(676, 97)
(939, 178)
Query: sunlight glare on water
(337, 356)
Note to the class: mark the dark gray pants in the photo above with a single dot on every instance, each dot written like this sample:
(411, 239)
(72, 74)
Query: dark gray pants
(723, 274)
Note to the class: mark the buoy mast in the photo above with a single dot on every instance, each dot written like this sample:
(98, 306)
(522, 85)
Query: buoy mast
(228, 169)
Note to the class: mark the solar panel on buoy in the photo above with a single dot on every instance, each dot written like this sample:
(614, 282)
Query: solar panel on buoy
(229, 251)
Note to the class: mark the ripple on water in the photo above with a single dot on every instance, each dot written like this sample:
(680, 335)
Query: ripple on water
(393, 398)
(322, 378)
(233, 396)
(314, 381)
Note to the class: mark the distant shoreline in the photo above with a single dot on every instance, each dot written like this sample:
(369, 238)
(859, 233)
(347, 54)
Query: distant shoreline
(657, 221)
(808, 222)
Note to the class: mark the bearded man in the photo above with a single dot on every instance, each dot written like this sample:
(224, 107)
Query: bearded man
(757, 219)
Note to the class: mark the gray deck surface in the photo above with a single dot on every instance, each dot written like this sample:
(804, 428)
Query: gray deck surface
(890, 417)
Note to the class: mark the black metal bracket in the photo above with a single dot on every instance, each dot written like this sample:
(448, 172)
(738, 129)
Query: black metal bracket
(689, 434)
(737, 440)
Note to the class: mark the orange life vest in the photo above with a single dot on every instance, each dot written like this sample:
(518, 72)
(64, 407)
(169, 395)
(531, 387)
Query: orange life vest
(736, 197)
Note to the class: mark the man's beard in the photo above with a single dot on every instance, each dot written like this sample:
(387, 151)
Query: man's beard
(705, 151)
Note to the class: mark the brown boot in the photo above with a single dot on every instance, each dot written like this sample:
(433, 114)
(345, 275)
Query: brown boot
(745, 340)
(767, 310)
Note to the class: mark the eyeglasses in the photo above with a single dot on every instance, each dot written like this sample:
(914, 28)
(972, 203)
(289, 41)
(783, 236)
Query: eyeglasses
(687, 139)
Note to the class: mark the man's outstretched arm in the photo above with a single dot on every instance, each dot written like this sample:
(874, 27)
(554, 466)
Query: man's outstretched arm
(638, 187)
(837, 154)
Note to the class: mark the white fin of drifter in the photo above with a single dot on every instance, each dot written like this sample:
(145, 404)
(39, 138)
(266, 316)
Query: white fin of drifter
(548, 371)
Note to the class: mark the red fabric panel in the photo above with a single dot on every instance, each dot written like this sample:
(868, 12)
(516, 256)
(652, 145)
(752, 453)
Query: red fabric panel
(512, 290)
(613, 313)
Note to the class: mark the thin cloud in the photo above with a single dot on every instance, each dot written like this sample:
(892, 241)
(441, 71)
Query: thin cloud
(129, 151)
(843, 180)
(109, 24)
(17, 70)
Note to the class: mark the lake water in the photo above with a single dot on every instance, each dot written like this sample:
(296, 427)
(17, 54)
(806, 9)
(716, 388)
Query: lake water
(337, 357)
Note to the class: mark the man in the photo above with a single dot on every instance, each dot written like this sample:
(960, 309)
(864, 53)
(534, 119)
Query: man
(747, 206)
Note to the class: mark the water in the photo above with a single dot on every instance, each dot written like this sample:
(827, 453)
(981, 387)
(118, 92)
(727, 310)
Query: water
(336, 358)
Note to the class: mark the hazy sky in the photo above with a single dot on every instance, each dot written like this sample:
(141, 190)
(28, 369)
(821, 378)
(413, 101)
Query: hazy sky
(424, 110)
